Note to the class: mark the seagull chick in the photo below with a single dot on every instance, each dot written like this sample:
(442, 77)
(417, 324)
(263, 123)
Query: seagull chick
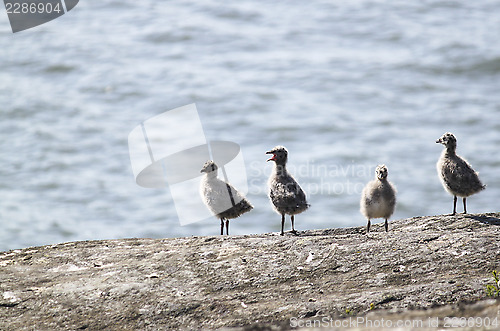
(284, 192)
(223, 200)
(378, 198)
(455, 173)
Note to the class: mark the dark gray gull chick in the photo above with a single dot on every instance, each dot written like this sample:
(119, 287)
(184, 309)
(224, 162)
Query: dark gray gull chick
(284, 192)
(455, 173)
(223, 200)
(378, 199)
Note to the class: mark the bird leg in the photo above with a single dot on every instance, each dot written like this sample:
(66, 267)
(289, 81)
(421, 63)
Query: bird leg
(465, 206)
(368, 226)
(221, 226)
(386, 225)
(454, 205)
(282, 224)
(293, 227)
(227, 227)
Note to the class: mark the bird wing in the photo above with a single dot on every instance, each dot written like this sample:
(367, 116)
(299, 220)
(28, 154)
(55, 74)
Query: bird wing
(234, 194)
(287, 193)
(461, 176)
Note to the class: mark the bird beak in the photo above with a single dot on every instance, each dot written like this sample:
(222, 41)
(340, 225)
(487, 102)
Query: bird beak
(272, 158)
(439, 141)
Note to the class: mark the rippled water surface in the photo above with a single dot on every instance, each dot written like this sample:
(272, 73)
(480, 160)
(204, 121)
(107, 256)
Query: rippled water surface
(344, 85)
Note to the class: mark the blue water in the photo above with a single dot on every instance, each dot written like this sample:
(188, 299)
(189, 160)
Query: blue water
(344, 85)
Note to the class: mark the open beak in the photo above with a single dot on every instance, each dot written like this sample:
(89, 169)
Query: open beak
(273, 158)
(438, 141)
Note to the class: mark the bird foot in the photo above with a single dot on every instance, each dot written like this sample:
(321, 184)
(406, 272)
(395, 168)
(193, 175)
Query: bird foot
(295, 232)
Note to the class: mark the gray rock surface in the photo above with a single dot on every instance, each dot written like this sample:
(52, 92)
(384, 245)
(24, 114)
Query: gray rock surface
(423, 267)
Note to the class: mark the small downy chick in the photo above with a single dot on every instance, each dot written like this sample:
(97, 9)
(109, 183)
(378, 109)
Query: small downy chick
(455, 173)
(223, 200)
(286, 195)
(378, 199)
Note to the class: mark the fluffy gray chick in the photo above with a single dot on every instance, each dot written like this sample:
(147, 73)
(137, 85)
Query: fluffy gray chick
(455, 173)
(378, 199)
(286, 195)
